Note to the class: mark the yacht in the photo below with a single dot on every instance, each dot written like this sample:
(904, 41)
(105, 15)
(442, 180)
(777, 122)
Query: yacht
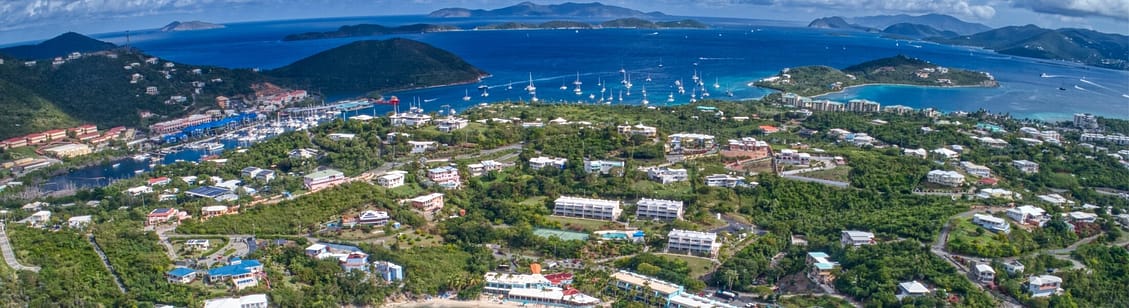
(141, 157)
(648, 78)
(564, 87)
(660, 62)
(591, 96)
(116, 165)
(510, 86)
(530, 88)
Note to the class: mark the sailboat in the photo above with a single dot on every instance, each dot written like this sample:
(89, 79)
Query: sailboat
(648, 78)
(485, 91)
(716, 85)
(530, 88)
(660, 62)
(628, 84)
(645, 102)
(564, 87)
(591, 96)
(510, 86)
(670, 98)
(577, 83)
(466, 97)
(621, 95)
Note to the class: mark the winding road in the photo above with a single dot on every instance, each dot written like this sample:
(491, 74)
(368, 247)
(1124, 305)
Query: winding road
(10, 255)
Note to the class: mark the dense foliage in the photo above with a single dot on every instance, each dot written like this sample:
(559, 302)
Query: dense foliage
(71, 275)
(141, 263)
(872, 273)
(815, 80)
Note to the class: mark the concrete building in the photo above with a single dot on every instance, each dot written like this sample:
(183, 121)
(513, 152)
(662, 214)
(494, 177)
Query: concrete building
(685, 143)
(945, 178)
(822, 268)
(704, 243)
(1028, 215)
(247, 301)
(911, 289)
(1026, 166)
(992, 223)
(446, 177)
(638, 129)
(410, 119)
(541, 162)
(451, 124)
(862, 105)
(1044, 285)
(653, 292)
(420, 147)
(429, 203)
(658, 209)
(601, 166)
(748, 147)
(667, 175)
(724, 180)
(792, 157)
(373, 218)
(856, 238)
(976, 170)
(79, 222)
(68, 150)
(391, 179)
(502, 283)
(484, 167)
(1085, 121)
(389, 271)
(587, 208)
(983, 273)
(323, 179)
(916, 152)
(181, 275)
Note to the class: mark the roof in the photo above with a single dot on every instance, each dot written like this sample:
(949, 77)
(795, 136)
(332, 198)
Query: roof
(208, 191)
(85, 218)
(1028, 210)
(1044, 279)
(858, 234)
(504, 278)
(181, 272)
(640, 280)
(913, 287)
(984, 268)
(161, 211)
(324, 174)
(228, 302)
(316, 247)
(234, 269)
(443, 169)
(427, 197)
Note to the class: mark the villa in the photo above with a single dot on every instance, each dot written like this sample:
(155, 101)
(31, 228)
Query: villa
(1044, 285)
(856, 238)
(992, 223)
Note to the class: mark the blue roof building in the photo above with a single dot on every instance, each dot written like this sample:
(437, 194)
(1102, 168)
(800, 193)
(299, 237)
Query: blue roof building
(182, 275)
(237, 269)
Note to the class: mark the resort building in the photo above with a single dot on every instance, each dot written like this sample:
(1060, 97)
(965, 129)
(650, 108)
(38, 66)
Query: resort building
(684, 143)
(1028, 215)
(537, 290)
(68, 150)
(429, 203)
(1026, 166)
(247, 301)
(601, 166)
(856, 238)
(748, 147)
(862, 105)
(323, 179)
(992, 223)
(446, 177)
(586, 208)
(911, 289)
(792, 157)
(451, 124)
(983, 273)
(667, 175)
(654, 292)
(695, 242)
(945, 178)
(391, 179)
(976, 170)
(1085, 121)
(658, 209)
(1115, 139)
(389, 271)
(822, 268)
(484, 167)
(638, 129)
(724, 180)
(241, 273)
(541, 162)
(173, 126)
(502, 283)
(1044, 285)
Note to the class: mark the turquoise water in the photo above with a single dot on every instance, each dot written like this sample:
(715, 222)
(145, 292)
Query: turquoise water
(732, 55)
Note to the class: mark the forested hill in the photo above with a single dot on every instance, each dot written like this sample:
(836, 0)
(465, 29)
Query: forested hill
(376, 65)
(59, 46)
(369, 30)
(1076, 45)
(817, 80)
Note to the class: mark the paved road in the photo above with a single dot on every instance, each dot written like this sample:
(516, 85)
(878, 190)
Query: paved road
(938, 248)
(10, 255)
(106, 263)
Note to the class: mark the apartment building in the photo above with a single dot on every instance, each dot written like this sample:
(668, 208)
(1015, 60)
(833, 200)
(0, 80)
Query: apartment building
(658, 209)
(696, 242)
(587, 208)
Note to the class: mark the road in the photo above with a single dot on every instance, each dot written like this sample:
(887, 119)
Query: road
(106, 263)
(10, 255)
(938, 248)
(795, 174)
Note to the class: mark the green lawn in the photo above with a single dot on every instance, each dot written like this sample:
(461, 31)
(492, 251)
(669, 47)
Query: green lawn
(840, 173)
(968, 238)
(587, 225)
(698, 266)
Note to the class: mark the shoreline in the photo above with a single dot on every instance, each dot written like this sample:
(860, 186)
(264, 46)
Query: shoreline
(753, 84)
(482, 301)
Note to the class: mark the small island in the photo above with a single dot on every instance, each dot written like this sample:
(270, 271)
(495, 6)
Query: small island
(556, 24)
(190, 26)
(636, 23)
(899, 70)
(369, 30)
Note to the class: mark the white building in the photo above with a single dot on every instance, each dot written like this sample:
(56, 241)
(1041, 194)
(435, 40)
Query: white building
(911, 289)
(484, 167)
(666, 175)
(856, 238)
(1044, 285)
(992, 223)
(977, 170)
(248, 301)
(1085, 121)
(538, 163)
(391, 179)
(1026, 166)
(693, 242)
(79, 222)
(370, 217)
(1028, 214)
(946, 153)
(601, 166)
(686, 143)
(658, 209)
(341, 136)
(450, 124)
(446, 176)
(638, 129)
(946, 178)
(983, 272)
(411, 119)
(420, 147)
(1083, 217)
(724, 180)
(502, 283)
(792, 157)
(918, 152)
(587, 208)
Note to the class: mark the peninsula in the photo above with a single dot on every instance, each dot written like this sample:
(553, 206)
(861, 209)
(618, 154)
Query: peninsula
(901, 70)
(190, 26)
(369, 30)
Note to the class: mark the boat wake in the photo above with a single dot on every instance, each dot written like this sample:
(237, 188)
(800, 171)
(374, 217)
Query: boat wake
(719, 59)
(1095, 84)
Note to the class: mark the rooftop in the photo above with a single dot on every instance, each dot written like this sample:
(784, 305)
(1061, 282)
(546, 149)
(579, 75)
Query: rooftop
(325, 174)
(653, 283)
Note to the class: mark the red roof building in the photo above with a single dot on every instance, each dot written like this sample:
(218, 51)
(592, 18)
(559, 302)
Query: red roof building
(988, 181)
(768, 129)
(56, 134)
(559, 279)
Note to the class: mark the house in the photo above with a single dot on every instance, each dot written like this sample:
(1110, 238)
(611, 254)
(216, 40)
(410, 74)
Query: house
(911, 289)
(376, 218)
(559, 279)
(822, 268)
(79, 222)
(1028, 215)
(389, 271)
(429, 203)
(37, 219)
(241, 273)
(316, 249)
(391, 179)
(420, 147)
(856, 238)
(451, 124)
(181, 275)
(945, 178)
(792, 157)
(601, 166)
(200, 244)
(341, 136)
(1014, 267)
(355, 261)
(538, 163)
(946, 153)
(987, 193)
(484, 167)
(248, 301)
(1082, 217)
(162, 215)
(1026, 166)
(974, 169)
(217, 193)
(323, 179)
(213, 211)
(658, 209)
(667, 175)
(686, 143)
(992, 223)
(1055, 199)
(558, 121)
(983, 273)
(586, 208)
(160, 181)
(413, 118)
(56, 134)
(136, 191)
(704, 243)
(446, 176)
(638, 129)
(724, 180)
(303, 153)
(747, 147)
(1044, 285)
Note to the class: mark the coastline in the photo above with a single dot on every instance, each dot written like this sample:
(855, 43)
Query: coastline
(844, 89)
(482, 301)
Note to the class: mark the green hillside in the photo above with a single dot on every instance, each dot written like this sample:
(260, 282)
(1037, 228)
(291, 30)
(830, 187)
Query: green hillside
(816, 80)
(364, 66)
(26, 112)
(646, 24)
(1077, 45)
(369, 30)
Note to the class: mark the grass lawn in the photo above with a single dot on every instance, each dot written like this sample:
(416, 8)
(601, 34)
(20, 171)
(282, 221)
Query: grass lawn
(588, 225)
(840, 173)
(968, 238)
(698, 266)
(814, 301)
(534, 201)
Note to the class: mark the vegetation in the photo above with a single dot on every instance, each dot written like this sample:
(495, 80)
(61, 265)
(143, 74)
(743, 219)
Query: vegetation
(814, 301)
(872, 273)
(669, 269)
(59, 46)
(816, 80)
(369, 30)
(1108, 50)
(141, 263)
(637, 23)
(71, 273)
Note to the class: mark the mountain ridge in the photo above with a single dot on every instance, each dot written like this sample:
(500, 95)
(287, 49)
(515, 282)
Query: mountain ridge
(369, 30)
(940, 22)
(1077, 45)
(193, 25)
(529, 9)
(58, 46)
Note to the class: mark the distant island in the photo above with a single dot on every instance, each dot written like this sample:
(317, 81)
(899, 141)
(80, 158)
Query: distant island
(369, 30)
(556, 24)
(900, 70)
(529, 9)
(190, 26)
(59, 46)
(646, 24)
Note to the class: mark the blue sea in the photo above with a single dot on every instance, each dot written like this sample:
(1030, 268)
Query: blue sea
(731, 55)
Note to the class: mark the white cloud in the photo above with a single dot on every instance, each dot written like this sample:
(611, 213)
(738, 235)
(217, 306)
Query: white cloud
(1115, 9)
(17, 14)
(960, 8)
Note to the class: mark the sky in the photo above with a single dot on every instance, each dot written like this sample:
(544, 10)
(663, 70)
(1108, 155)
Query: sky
(28, 20)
